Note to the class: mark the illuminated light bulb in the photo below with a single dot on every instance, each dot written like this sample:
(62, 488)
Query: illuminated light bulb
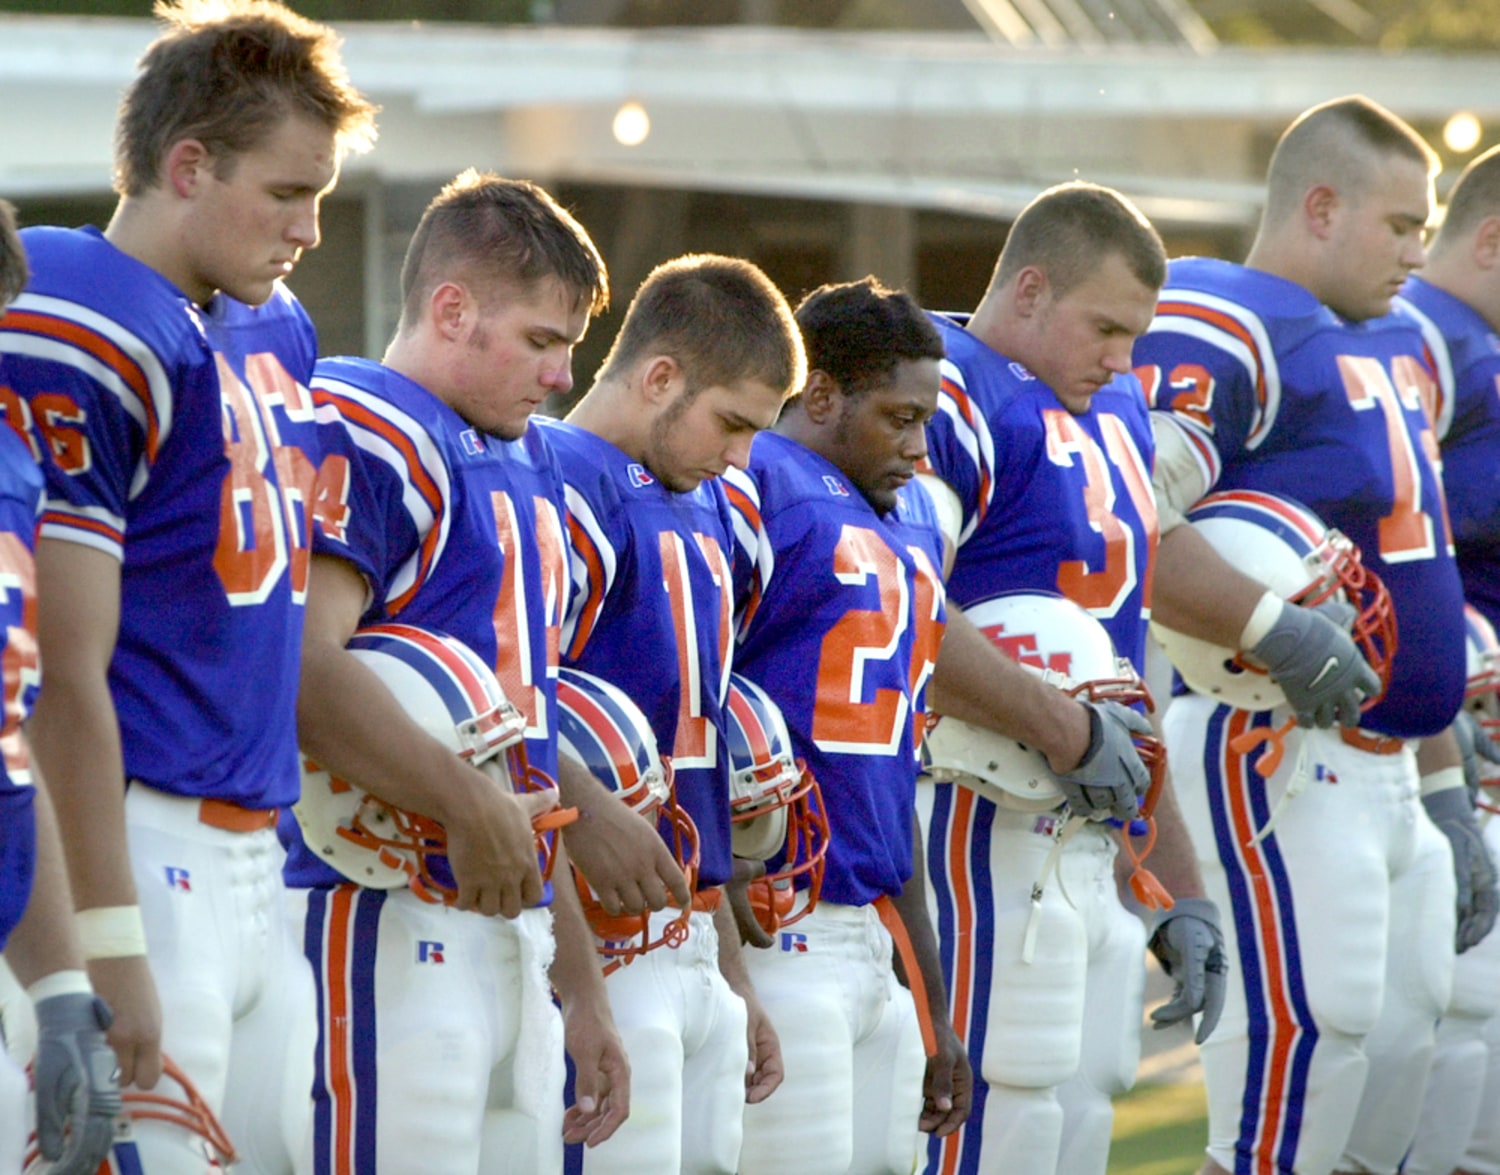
(1461, 132)
(632, 124)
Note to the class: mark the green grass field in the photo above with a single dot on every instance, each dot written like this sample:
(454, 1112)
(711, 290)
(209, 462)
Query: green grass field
(1159, 1130)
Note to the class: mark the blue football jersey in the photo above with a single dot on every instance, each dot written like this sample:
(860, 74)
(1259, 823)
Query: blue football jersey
(650, 612)
(1051, 501)
(20, 508)
(1276, 393)
(1465, 352)
(179, 440)
(454, 530)
(839, 613)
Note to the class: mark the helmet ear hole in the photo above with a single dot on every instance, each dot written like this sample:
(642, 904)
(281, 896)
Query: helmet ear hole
(759, 838)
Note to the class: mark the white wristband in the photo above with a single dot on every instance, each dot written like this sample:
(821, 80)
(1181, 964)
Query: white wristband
(60, 983)
(112, 932)
(1262, 620)
(1443, 779)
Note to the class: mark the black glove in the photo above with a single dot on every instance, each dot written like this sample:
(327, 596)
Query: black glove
(1110, 778)
(1310, 654)
(1474, 744)
(77, 1086)
(1453, 812)
(1190, 947)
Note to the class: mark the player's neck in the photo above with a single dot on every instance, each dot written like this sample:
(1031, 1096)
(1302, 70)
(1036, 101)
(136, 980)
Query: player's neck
(1291, 260)
(1454, 273)
(143, 229)
(605, 411)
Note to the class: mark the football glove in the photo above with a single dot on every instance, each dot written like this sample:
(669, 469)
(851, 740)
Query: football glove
(1110, 778)
(1190, 947)
(77, 1088)
(1310, 654)
(1452, 811)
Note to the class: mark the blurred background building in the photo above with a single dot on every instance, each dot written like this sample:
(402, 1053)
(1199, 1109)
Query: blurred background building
(824, 139)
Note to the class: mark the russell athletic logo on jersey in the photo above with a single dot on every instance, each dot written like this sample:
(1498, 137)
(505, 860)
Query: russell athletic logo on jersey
(179, 879)
(638, 475)
(835, 487)
(794, 942)
(469, 439)
(429, 951)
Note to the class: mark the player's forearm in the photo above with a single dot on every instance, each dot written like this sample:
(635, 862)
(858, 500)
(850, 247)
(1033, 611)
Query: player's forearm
(46, 939)
(1439, 752)
(911, 904)
(731, 956)
(575, 972)
(975, 682)
(1198, 593)
(1173, 860)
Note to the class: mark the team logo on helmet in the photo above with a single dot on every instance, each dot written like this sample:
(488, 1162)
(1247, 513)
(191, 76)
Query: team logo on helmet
(600, 726)
(1288, 548)
(453, 695)
(776, 807)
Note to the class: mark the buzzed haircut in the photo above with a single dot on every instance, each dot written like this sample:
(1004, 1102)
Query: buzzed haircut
(1068, 229)
(857, 332)
(721, 318)
(12, 257)
(500, 237)
(1474, 196)
(1342, 143)
(228, 73)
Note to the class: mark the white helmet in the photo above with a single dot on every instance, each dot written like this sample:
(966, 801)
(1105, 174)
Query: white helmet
(601, 726)
(1287, 547)
(448, 691)
(775, 804)
(1482, 694)
(1055, 638)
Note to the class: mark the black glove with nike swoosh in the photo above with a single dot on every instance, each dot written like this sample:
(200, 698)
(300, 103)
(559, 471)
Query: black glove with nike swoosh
(1310, 654)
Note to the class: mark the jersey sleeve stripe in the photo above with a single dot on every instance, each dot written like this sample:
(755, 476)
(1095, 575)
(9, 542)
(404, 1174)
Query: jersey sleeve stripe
(106, 533)
(1440, 361)
(585, 615)
(57, 334)
(972, 435)
(1237, 333)
(1204, 451)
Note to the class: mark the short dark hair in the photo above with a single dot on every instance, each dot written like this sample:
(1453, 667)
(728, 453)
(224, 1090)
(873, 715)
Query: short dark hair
(12, 257)
(228, 72)
(499, 235)
(857, 332)
(721, 318)
(1343, 142)
(1069, 228)
(1474, 196)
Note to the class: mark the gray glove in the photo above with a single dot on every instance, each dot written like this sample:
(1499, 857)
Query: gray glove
(1110, 778)
(77, 1083)
(1310, 654)
(1453, 812)
(1473, 744)
(1190, 947)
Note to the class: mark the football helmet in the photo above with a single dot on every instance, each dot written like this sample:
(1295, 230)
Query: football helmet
(1288, 548)
(1055, 638)
(453, 695)
(176, 1100)
(776, 808)
(600, 726)
(1482, 694)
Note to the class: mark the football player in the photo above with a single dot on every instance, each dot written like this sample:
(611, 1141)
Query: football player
(443, 509)
(1288, 375)
(839, 609)
(74, 1067)
(1456, 303)
(161, 368)
(1041, 450)
(705, 356)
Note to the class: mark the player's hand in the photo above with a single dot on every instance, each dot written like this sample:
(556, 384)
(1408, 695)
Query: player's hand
(1476, 747)
(128, 990)
(1311, 655)
(1190, 947)
(77, 1094)
(752, 933)
(602, 1074)
(625, 860)
(765, 1070)
(1452, 811)
(492, 851)
(1110, 778)
(948, 1086)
